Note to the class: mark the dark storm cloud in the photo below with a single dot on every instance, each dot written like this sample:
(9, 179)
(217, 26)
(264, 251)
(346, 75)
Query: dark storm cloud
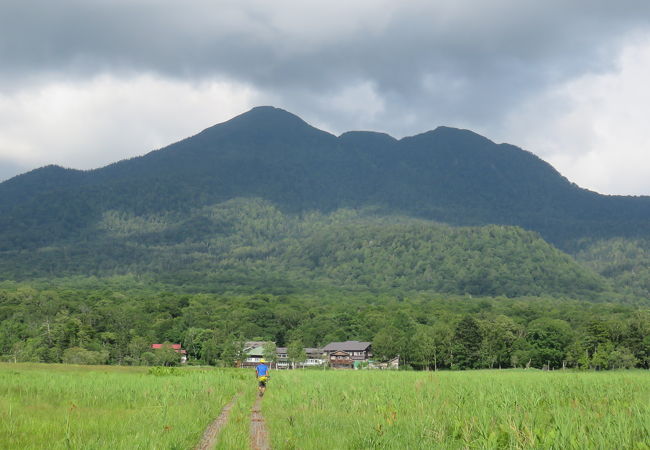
(439, 59)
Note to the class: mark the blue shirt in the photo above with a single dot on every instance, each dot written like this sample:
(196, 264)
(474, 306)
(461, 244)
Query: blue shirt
(262, 370)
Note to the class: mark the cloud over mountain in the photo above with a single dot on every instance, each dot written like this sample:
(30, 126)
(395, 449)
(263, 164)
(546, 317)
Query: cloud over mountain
(399, 67)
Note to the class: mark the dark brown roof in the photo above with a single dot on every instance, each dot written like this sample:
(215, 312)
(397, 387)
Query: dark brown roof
(348, 346)
(313, 351)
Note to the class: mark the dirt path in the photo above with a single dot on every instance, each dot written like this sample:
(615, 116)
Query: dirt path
(211, 433)
(259, 433)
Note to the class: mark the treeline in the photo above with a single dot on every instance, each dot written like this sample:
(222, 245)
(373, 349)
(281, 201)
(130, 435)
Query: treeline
(249, 242)
(625, 262)
(426, 330)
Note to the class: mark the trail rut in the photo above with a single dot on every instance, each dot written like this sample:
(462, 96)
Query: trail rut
(211, 433)
(259, 433)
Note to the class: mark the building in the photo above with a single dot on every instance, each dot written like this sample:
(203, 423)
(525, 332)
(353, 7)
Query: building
(254, 352)
(314, 357)
(252, 344)
(253, 356)
(392, 364)
(282, 358)
(356, 351)
(176, 347)
(340, 359)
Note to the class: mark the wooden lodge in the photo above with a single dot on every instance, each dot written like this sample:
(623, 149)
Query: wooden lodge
(356, 351)
(340, 360)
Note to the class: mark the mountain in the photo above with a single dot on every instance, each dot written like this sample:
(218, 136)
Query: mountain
(448, 175)
(52, 219)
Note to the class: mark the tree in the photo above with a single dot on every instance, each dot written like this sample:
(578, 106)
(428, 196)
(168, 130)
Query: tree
(467, 344)
(597, 333)
(78, 355)
(31, 349)
(577, 355)
(622, 358)
(296, 352)
(602, 356)
(499, 335)
(270, 352)
(424, 350)
(210, 351)
(193, 340)
(549, 339)
(232, 350)
(137, 347)
(387, 343)
(167, 356)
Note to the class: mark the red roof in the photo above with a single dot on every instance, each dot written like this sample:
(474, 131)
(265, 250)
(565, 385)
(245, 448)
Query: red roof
(176, 347)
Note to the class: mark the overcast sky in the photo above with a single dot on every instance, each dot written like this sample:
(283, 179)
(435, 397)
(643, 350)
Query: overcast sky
(84, 83)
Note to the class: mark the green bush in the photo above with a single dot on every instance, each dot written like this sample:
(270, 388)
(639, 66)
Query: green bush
(78, 355)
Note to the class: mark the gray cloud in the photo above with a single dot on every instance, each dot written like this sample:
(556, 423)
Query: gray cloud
(418, 64)
(275, 44)
(9, 169)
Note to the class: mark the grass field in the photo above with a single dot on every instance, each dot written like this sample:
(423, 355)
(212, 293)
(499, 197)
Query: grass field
(477, 409)
(57, 406)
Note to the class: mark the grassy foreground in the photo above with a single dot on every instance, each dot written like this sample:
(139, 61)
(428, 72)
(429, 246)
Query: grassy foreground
(59, 406)
(478, 409)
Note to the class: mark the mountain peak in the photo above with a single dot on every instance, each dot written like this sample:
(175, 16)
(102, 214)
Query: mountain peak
(270, 112)
(265, 119)
(369, 135)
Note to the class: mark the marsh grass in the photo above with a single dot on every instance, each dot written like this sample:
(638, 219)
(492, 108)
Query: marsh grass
(61, 406)
(236, 434)
(478, 409)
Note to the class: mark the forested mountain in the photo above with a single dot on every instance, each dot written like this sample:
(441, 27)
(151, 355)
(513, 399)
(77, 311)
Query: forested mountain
(250, 243)
(266, 200)
(447, 175)
(266, 228)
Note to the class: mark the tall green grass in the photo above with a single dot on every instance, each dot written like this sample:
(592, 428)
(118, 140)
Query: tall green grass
(479, 409)
(58, 406)
(236, 434)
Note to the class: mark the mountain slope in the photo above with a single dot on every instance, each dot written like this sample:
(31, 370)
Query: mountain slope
(250, 244)
(446, 174)
(163, 213)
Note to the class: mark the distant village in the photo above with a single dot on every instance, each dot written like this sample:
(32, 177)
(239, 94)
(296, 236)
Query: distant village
(335, 355)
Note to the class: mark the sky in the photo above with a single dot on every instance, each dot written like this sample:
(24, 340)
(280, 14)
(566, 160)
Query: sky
(84, 83)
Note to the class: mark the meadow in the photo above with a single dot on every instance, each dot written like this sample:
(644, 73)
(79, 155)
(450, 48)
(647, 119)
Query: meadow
(473, 409)
(65, 406)
(58, 406)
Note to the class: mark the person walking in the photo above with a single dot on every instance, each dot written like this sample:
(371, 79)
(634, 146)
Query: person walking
(262, 375)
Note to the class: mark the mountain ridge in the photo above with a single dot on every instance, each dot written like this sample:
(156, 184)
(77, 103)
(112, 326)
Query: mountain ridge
(446, 174)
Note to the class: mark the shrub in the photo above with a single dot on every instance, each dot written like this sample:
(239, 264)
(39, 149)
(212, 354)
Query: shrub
(78, 355)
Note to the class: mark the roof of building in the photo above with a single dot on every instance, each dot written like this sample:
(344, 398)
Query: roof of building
(177, 347)
(256, 351)
(313, 351)
(252, 344)
(174, 346)
(348, 346)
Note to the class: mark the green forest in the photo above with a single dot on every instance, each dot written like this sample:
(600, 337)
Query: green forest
(444, 248)
(117, 323)
(441, 297)
(251, 244)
